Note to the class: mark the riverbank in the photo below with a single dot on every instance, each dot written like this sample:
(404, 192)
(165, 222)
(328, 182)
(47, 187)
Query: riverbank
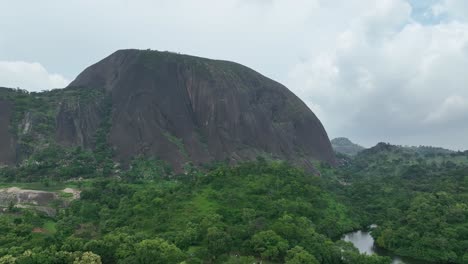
(365, 243)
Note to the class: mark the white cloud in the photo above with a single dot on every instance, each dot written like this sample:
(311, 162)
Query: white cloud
(382, 77)
(453, 108)
(29, 76)
(371, 70)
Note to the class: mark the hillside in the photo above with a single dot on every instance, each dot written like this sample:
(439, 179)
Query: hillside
(415, 196)
(177, 108)
(117, 157)
(259, 211)
(343, 145)
(255, 211)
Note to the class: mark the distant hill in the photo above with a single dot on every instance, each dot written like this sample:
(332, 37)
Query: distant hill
(343, 145)
(428, 150)
(383, 153)
(423, 151)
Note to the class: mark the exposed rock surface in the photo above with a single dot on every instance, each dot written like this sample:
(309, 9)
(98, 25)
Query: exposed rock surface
(77, 122)
(36, 199)
(179, 108)
(76, 194)
(7, 141)
(20, 196)
(182, 108)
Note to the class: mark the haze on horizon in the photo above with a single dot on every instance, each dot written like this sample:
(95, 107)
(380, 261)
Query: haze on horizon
(389, 70)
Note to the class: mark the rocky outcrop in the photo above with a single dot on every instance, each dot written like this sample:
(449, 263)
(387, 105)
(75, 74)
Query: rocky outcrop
(7, 140)
(19, 196)
(182, 108)
(42, 201)
(77, 122)
(174, 107)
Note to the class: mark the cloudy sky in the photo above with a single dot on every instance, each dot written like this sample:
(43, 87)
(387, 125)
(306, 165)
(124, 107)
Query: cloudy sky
(371, 70)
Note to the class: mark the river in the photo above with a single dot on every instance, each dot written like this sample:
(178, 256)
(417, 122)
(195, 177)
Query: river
(364, 242)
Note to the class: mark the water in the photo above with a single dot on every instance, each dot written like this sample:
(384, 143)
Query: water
(364, 242)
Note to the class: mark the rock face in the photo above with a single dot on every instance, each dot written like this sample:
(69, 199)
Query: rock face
(19, 196)
(77, 122)
(182, 108)
(35, 199)
(7, 141)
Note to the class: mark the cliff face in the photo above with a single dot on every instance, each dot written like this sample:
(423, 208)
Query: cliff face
(181, 108)
(7, 141)
(77, 122)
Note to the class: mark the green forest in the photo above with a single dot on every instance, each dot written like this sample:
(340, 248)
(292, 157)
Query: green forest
(418, 197)
(263, 210)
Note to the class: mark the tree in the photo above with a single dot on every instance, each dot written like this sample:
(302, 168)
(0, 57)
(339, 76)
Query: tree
(240, 260)
(218, 241)
(298, 255)
(269, 245)
(157, 251)
(88, 258)
(7, 259)
(104, 248)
